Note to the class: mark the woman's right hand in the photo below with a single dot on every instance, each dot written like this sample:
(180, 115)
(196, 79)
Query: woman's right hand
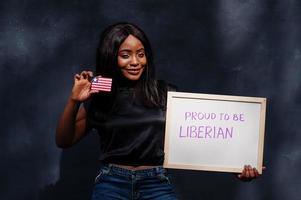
(81, 89)
(72, 123)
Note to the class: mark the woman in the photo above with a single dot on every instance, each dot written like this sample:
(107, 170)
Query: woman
(130, 119)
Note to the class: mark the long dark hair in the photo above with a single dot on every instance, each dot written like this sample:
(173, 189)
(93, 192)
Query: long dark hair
(106, 62)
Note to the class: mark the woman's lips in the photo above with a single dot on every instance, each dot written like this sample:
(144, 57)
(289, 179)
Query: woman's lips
(133, 71)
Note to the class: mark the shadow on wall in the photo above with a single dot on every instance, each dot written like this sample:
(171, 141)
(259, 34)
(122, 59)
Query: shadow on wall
(78, 168)
(196, 185)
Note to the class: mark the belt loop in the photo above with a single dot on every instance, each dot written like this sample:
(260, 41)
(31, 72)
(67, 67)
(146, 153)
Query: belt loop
(106, 169)
(158, 170)
(110, 168)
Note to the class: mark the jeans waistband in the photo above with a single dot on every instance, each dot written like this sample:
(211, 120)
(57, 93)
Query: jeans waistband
(113, 169)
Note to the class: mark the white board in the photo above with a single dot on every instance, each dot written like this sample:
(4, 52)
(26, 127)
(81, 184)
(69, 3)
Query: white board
(214, 132)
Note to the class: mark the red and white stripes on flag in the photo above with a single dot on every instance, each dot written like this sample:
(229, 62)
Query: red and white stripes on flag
(101, 84)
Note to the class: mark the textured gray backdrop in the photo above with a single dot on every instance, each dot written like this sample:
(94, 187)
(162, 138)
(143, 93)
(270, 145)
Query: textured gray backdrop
(238, 47)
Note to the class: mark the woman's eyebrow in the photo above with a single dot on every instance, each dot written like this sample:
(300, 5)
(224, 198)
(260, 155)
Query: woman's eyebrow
(141, 49)
(129, 50)
(126, 50)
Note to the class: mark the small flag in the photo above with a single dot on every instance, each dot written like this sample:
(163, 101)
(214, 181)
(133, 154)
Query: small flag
(101, 84)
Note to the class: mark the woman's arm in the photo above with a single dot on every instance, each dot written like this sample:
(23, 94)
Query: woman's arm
(72, 123)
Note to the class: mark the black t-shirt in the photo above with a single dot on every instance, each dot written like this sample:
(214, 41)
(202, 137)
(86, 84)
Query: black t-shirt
(130, 133)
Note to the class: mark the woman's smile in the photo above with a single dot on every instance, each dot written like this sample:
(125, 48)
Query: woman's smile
(134, 71)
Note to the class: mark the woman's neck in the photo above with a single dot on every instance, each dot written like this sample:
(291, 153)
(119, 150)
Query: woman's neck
(123, 82)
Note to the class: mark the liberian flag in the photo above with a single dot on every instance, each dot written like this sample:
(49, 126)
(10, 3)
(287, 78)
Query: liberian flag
(101, 84)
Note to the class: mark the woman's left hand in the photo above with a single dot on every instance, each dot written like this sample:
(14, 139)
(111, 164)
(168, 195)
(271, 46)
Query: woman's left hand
(249, 173)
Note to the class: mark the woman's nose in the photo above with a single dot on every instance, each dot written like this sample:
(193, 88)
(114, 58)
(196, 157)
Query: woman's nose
(134, 61)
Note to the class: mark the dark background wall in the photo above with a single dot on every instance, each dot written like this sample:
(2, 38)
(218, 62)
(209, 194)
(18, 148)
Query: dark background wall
(237, 47)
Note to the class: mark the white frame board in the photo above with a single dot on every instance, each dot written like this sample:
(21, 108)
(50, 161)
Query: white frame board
(214, 132)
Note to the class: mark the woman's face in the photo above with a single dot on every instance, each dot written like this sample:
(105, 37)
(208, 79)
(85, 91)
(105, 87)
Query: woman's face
(131, 58)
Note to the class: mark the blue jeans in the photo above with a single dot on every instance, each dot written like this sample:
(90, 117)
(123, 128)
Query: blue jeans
(114, 182)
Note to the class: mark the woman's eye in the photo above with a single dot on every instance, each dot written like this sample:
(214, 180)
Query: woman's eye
(124, 56)
(141, 55)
